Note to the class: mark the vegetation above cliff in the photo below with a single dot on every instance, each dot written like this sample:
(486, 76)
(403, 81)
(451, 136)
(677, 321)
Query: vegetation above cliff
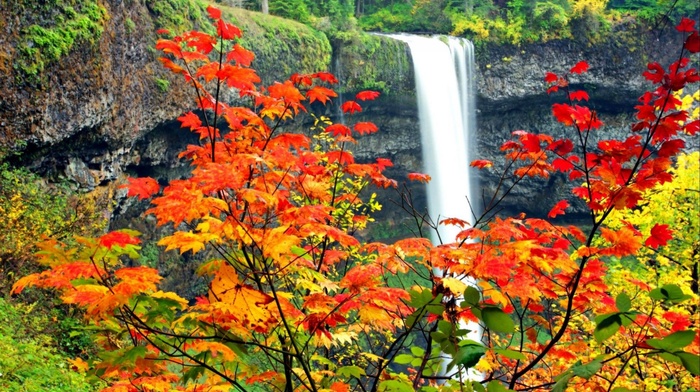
(503, 21)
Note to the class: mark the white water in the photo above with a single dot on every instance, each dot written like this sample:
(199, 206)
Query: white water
(444, 74)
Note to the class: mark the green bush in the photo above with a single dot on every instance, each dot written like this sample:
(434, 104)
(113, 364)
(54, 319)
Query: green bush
(29, 361)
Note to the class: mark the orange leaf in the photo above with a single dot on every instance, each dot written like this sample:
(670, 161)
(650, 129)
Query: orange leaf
(321, 94)
(240, 56)
(420, 177)
(142, 187)
(481, 163)
(558, 209)
(365, 128)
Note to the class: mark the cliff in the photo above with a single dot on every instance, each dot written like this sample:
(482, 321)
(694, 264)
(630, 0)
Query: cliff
(83, 96)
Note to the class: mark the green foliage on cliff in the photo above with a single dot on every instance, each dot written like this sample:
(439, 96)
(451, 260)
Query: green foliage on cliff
(30, 361)
(52, 28)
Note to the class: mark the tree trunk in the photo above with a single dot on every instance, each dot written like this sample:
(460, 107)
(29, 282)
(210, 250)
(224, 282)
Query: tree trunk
(265, 7)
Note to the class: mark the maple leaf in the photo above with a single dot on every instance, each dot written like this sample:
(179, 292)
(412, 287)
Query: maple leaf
(455, 222)
(481, 163)
(350, 107)
(227, 30)
(579, 68)
(692, 43)
(579, 95)
(686, 25)
(659, 236)
(190, 120)
(163, 32)
(240, 55)
(118, 238)
(366, 95)
(247, 305)
(365, 128)
(321, 94)
(558, 209)
(339, 130)
(325, 77)
(142, 187)
(214, 12)
(420, 177)
(655, 73)
(551, 77)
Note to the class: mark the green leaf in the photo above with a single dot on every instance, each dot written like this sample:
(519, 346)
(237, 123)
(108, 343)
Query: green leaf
(132, 355)
(690, 362)
(395, 386)
(674, 341)
(403, 359)
(468, 355)
(193, 374)
(496, 386)
(512, 354)
(478, 387)
(350, 371)
(607, 327)
(472, 296)
(562, 381)
(588, 370)
(623, 302)
(417, 351)
(497, 320)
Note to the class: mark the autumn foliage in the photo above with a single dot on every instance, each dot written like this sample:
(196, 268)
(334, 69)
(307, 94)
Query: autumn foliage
(296, 303)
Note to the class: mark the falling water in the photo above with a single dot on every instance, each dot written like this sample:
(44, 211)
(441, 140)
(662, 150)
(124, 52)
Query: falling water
(444, 74)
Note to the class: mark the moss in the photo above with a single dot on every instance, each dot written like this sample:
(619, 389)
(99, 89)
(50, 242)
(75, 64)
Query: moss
(54, 27)
(365, 61)
(281, 46)
(162, 84)
(178, 16)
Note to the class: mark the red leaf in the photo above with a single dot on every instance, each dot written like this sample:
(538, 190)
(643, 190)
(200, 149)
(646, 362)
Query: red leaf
(579, 68)
(367, 95)
(558, 209)
(686, 25)
(321, 94)
(163, 32)
(365, 128)
(240, 55)
(550, 77)
(660, 235)
(420, 177)
(351, 107)
(227, 30)
(562, 164)
(655, 73)
(531, 142)
(692, 128)
(214, 12)
(142, 187)
(481, 163)
(118, 238)
(563, 113)
(692, 43)
(190, 120)
(579, 95)
(326, 77)
(671, 148)
(339, 129)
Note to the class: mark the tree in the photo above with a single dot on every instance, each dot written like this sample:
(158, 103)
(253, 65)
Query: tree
(296, 302)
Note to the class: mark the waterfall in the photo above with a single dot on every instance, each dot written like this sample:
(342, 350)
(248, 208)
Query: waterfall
(444, 73)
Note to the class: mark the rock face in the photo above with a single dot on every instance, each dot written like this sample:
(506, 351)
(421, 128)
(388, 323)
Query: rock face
(109, 107)
(91, 114)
